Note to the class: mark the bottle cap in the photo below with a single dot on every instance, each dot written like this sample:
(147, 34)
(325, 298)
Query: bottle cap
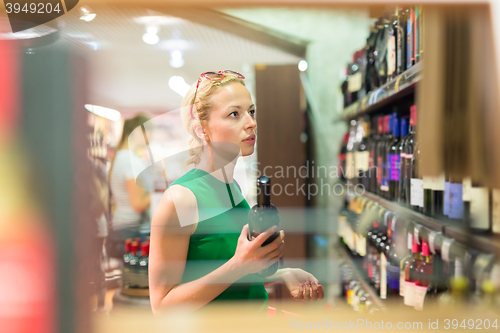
(135, 245)
(425, 248)
(380, 125)
(145, 249)
(128, 245)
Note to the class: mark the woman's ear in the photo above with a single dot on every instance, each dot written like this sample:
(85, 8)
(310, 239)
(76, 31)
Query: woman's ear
(198, 130)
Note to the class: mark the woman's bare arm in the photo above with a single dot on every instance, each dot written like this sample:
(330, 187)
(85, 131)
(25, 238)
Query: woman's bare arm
(138, 197)
(168, 252)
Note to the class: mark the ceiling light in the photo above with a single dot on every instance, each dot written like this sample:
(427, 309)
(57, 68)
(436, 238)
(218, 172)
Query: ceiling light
(177, 84)
(176, 60)
(101, 111)
(151, 35)
(302, 65)
(176, 44)
(86, 14)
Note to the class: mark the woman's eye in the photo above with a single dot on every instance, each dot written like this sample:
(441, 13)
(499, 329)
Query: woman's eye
(252, 112)
(234, 114)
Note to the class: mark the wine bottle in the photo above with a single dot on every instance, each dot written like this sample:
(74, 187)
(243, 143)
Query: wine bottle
(384, 188)
(402, 265)
(374, 138)
(393, 259)
(394, 160)
(412, 36)
(423, 277)
(349, 156)
(480, 204)
(466, 193)
(372, 81)
(380, 156)
(377, 158)
(362, 155)
(410, 274)
(409, 37)
(342, 157)
(392, 47)
(142, 267)
(263, 216)
(402, 45)
(133, 266)
(416, 32)
(401, 151)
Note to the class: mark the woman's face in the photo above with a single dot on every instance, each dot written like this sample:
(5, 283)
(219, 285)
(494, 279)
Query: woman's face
(232, 118)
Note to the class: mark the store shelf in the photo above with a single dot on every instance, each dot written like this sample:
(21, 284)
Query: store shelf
(359, 276)
(489, 244)
(401, 86)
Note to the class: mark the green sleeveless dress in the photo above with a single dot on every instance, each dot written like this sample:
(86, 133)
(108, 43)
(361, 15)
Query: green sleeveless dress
(223, 211)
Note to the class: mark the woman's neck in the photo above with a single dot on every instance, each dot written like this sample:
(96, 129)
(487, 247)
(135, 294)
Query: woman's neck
(225, 173)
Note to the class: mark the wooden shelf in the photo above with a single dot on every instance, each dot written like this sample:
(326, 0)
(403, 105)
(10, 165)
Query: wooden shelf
(464, 240)
(403, 85)
(359, 276)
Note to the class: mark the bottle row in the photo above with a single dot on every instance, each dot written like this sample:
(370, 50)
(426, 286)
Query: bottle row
(354, 293)
(395, 44)
(382, 155)
(406, 268)
(135, 264)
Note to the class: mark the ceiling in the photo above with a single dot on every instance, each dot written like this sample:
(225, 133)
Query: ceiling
(129, 75)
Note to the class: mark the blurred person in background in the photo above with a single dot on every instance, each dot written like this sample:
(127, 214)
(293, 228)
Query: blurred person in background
(130, 199)
(200, 251)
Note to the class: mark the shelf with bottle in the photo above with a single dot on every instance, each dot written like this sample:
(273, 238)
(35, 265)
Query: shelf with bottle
(402, 258)
(402, 86)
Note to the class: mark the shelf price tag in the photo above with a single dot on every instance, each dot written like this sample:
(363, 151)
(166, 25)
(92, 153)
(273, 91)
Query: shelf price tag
(445, 249)
(432, 240)
(416, 233)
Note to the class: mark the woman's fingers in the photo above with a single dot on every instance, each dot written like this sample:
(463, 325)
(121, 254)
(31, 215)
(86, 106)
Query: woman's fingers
(314, 291)
(260, 239)
(275, 253)
(307, 292)
(321, 292)
(244, 232)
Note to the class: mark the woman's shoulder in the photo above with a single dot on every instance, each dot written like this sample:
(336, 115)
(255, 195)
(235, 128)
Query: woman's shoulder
(177, 208)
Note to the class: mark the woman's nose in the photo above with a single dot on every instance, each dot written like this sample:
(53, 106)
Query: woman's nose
(251, 123)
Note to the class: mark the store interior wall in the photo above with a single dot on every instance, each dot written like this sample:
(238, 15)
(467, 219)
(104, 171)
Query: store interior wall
(334, 36)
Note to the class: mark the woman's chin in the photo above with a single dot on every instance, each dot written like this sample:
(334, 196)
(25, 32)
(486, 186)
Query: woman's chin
(247, 151)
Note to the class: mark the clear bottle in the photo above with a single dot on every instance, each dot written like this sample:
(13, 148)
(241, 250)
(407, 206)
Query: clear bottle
(410, 274)
(423, 277)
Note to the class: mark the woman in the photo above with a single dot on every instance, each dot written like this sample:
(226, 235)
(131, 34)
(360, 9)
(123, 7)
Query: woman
(199, 250)
(131, 201)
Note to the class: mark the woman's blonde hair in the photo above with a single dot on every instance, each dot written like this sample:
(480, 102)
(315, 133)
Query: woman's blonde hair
(201, 109)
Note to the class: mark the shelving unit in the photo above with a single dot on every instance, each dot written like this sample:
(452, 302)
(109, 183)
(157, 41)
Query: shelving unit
(359, 276)
(488, 244)
(401, 86)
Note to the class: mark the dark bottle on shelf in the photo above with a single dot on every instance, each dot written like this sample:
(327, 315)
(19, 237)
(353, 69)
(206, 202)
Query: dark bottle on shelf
(404, 261)
(393, 259)
(409, 36)
(416, 33)
(402, 157)
(372, 144)
(263, 216)
(362, 157)
(414, 185)
(401, 41)
(344, 87)
(376, 171)
(342, 156)
(392, 47)
(412, 35)
(371, 79)
(384, 187)
(410, 274)
(133, 266)
(466, 186)
(380, 155)
(423, 275)
(382, 50)
(393, 160)
(349, 156)
(437, 284)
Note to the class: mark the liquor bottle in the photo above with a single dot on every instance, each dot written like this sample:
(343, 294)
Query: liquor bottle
(349, 156)
(423, 277)
(263, 216)
(402, 36)
(421, 33)
(402, 157)
(126, 261)
(384, 187)
(377, 173)
(342, 157)
(437, 284)
(394, 160)
(466, 193)
(416, 33)
(133, 266)
(381, 49)
(355, 83)
(459, 286)
(393, 259)
(410, 274)
(142, 267)
(480, 204)
(392, 45)
(372, 144)
(362, 155)
(371, 79)
(402, 265)
(344, 86)
(412, 35)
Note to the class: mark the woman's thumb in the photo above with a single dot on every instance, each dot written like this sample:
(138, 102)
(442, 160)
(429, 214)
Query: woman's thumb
(244, 232)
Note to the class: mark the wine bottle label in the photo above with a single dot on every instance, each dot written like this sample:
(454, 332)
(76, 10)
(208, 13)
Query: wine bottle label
(355, 82)
(349, 165)
(496, 211)
(370, 160)
(409, 293)
(395, 165)
(402, 282)
(391, 55)
(417, 192)
(361, 161)
(446, 204)
(466, 186)
(455, 201)
(479, 208)
(383, 276)
(420, 292)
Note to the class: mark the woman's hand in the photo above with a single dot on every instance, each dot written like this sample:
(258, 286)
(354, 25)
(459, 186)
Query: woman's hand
(250, 257)
(302, 285)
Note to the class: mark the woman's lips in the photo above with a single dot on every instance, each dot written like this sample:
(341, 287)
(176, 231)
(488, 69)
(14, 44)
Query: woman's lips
(250, 140)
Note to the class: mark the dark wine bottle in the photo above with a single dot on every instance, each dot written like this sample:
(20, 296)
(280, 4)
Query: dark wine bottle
(392, 46)
(384, 188)
(381, 154)
(401, 44)
(409, 37)
(402, 157)
(361, 156)
(376, 172)
(372, 144)
(263, 216)
(394, 161)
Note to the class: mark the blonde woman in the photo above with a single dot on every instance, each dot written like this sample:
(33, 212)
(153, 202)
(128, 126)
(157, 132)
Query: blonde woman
(199, 251)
